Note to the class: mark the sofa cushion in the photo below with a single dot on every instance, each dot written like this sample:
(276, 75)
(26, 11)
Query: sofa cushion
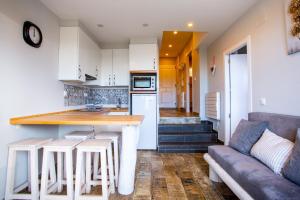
(257, 179)
(246, 135)
(291, 170)
(272, 150)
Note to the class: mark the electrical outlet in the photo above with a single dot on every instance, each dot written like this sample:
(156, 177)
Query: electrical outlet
(263, 101)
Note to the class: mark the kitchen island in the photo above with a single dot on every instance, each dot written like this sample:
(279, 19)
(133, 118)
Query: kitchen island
(130, 134)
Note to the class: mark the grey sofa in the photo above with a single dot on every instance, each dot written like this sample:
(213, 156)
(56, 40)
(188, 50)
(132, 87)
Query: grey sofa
(247, 177)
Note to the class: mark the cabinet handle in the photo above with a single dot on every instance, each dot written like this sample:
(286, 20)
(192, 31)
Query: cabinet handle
(79, 72)
(109, 80)
(96, 71)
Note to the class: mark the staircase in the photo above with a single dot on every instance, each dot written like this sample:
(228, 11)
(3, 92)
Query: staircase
(185, 136)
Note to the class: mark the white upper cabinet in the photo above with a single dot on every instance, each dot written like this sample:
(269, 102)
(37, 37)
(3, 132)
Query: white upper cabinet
(114, 68)
(78, 55)
(143, 57)
(106, 67)
(121, 67)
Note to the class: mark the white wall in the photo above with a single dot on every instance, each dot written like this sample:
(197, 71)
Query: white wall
(28, 81)
(275, 75)
(202, 81)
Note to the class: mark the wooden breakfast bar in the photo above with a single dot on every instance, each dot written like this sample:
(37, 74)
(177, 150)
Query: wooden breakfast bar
(130, 135)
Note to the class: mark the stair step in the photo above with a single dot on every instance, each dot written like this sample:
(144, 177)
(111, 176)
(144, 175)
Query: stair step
(187, 128)
(188, 137)
(187, 147)
(179, 120)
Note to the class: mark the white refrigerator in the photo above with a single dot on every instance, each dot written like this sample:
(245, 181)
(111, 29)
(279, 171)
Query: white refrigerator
(146, 104)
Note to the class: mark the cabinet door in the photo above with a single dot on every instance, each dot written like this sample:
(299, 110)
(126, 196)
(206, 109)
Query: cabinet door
(120, 67)
(143, 56)
(68, 55)
(106, 67)
(83, 54)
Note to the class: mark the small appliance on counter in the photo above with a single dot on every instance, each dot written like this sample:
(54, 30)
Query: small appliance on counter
(143, 101)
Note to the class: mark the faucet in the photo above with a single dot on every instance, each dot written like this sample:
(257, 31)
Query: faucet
(119, 103)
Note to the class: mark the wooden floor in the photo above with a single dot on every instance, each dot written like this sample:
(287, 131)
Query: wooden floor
(168, 112)
(174, 177)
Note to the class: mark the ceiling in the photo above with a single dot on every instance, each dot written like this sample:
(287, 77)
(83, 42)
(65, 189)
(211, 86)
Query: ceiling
(178, 42)
(123, 19)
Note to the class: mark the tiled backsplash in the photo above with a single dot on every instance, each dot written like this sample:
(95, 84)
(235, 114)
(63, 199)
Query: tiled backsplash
(81, 95)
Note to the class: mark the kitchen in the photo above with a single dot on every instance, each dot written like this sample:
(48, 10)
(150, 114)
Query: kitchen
(87, 79)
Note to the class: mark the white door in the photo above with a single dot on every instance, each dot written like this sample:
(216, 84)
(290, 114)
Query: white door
(143, 56)
(145, 104)
(239, 87)
(167, 88)
(106, 67)
(121, 67)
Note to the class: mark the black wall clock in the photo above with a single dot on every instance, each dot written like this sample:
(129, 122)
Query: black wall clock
(32, 34)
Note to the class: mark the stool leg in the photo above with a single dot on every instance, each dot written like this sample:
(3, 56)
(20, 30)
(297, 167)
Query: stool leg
(45, 172)
(52, 168)
(95, 165)
(88, 172)
(104, 175)
(69, 175)
(29, 171)
(10, 173)
(111, 170)
(59, 171)
(78, 174)
(34, 174)
(116, 161)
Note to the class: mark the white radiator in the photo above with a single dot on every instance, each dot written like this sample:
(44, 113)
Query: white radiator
(212, 105)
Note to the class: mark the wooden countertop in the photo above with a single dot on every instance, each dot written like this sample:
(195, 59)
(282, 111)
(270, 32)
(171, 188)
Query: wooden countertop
(77, 117)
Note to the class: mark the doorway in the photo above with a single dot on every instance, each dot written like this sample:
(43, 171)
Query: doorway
(167, 90)
(238, 93)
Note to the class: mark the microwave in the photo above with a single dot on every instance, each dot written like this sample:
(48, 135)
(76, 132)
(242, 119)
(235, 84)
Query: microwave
(143, 82)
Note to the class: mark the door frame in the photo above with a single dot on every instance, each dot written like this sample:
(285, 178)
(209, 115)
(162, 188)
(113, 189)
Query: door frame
(226, 53)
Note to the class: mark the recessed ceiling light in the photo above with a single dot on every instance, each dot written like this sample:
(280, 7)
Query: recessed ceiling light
(170, 46)
(145, 25)
(166, 54)
(190, 25)
(100, 25)
(175, 32)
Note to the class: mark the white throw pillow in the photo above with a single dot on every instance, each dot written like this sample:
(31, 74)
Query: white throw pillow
(272, 150)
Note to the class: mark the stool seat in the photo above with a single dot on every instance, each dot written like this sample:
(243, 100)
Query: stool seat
(105, 135)
(83, 135)
(30, 143)
(63, 144)
(94, 144)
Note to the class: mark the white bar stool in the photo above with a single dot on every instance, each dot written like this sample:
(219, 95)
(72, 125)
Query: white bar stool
(77, 135)
(58, 146)
(83, 184)
(31, 146)
(114, 136)
(80, 135)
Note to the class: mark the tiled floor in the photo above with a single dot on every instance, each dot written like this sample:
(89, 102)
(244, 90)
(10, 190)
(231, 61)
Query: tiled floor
(174, 177)
(167, 112)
